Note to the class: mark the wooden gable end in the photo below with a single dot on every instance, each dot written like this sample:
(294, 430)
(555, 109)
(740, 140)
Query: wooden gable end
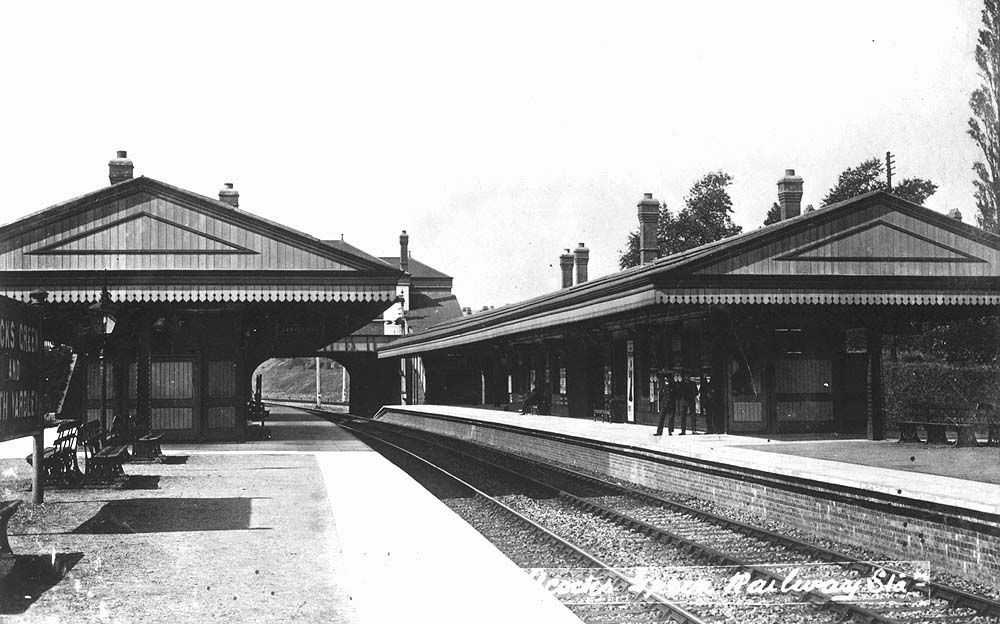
(149, 228)
(872, 239)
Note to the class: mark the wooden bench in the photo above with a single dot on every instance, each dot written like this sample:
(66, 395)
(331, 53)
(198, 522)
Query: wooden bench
(145, 444)
(59, 461)
(986, 412)
(103, 455)
(7, 509)
(937, 420)
(602, 415)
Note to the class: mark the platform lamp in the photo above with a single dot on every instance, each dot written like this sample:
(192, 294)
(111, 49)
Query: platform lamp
(102, 318)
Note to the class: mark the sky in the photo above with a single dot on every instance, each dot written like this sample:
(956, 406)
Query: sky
(496, 134)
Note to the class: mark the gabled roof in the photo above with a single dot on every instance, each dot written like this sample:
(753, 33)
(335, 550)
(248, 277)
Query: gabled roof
(873, 249)
(167, 243)
(428, 309)
(418, 270)
(349, 248)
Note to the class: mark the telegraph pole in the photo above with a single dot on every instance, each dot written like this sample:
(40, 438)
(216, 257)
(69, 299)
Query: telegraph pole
(888, 171)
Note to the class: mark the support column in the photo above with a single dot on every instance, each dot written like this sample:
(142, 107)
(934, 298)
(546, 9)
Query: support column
(579, 387)
(619, 377)
(143, 381)
(876, 412)
(37, 473)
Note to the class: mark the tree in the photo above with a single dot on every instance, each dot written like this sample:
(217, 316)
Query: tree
(773, 214)
(870, 176)
(983, 125)
(707, 214)
(706, 218)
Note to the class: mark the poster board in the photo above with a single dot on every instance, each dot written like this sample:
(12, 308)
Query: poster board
(20, 346)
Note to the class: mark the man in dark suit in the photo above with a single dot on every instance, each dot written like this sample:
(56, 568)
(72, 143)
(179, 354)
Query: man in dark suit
(666, 392)
(686, 391)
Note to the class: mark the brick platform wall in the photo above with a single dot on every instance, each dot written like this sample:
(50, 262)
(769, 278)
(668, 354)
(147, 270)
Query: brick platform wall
(958, 541)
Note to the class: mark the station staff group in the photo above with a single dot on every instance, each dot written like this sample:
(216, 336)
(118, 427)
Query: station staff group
(678, 394)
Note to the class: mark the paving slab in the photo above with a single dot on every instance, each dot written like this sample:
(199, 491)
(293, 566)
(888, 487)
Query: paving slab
(310, 526)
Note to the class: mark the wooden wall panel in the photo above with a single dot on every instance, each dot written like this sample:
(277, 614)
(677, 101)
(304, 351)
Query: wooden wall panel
(145, 233)
(880, 241)
(94, 380)
(747, 411)
(804, 411)
(223, 417)
(798, 376)
(165, 418)
(172, 380)
(221, 379)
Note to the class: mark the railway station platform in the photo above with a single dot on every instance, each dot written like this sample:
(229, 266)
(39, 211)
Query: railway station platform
(904, 501)
(311, 525)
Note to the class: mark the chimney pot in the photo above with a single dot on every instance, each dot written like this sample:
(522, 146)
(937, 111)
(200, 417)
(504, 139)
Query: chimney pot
(404, 252)
(582, 255)
(790, 195)
(229, 195)
(566, 267)
(649, 214)
(120, 168)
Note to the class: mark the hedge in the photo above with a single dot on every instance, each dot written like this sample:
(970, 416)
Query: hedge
(911, 384)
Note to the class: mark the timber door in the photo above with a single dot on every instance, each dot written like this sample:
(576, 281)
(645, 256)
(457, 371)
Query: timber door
(803, 394)
(221, 400)
(746, 395)
(803, 380)
(173, 398)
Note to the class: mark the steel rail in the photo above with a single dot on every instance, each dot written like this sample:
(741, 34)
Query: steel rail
(956, 598)
(702, 551)
(674, 613)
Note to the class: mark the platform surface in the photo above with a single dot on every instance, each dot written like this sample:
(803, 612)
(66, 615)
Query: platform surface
(311, 525)
(775, 455)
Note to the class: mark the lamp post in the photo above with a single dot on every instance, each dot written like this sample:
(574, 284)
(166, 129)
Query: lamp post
(103, 319)
(38, 298)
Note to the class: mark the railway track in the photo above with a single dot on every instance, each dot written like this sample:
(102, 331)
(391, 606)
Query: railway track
(593, 586)
(732, 549)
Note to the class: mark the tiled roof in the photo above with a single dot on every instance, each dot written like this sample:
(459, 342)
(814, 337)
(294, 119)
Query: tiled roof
(417, 268)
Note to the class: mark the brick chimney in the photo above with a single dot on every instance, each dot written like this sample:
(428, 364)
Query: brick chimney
(649, 213)
(404, 252)
(229, 195)
(120, 168)
(955, 214)
(582, 258)
(790, 195)
(566, 265)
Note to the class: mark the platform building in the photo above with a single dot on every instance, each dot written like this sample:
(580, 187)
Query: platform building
(784, 324)
(201, 292)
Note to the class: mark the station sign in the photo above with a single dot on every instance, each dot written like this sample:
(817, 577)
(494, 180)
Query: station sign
(20, 349)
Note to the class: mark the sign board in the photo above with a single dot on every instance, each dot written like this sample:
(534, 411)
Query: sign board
(20, 346)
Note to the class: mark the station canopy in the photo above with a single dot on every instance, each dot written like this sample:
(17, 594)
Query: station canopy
(873, 250)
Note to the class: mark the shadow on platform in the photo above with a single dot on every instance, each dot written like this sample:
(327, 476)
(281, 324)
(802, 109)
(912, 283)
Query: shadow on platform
(24, 578)
(166, 515)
